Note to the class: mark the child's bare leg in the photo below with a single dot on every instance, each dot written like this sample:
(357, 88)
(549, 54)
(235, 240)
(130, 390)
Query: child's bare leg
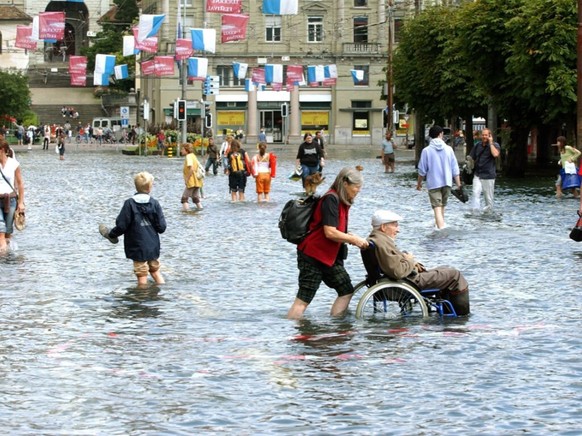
(157, 276)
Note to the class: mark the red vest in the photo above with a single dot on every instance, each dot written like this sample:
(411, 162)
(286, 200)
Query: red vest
(316, 245)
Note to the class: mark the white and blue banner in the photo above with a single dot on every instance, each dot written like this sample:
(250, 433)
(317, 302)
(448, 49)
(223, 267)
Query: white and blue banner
(357, 75)
(280, 7)
(149, 25)
(100, 79)
(204, 40)
(121, 72)
(129, 45)
(198, 67)
(330, 71)
(104, 64)
(274, 73)
(315, 73)
(240, 70)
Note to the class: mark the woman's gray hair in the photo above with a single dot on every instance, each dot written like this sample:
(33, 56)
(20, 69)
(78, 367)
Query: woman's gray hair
(350, 175)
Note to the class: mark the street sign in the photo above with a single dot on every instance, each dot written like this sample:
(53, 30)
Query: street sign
(124, 112)
(125, 122)
(146, 110)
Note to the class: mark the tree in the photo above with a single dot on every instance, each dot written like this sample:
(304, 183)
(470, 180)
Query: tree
(14, 95)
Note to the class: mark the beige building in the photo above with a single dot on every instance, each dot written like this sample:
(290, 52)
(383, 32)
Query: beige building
(351, 34)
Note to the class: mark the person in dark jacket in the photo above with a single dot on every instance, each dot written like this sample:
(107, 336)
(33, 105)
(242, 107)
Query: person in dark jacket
(141, 220)
(309, 157)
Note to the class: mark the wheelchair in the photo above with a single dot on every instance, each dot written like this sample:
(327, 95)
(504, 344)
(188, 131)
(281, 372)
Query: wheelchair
(390, 299)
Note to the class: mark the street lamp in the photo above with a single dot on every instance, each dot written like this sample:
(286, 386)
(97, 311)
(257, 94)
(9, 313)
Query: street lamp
(389, 76)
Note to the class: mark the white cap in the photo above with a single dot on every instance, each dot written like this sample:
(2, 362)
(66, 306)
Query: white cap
(384, 216)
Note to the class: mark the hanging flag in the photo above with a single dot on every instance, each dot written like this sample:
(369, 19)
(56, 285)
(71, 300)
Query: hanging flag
(204, 40)
(148, 26)
(198, 68)
(77, 64)
(280, 7)
(100, 79)
(224, 6)
(78, 79)
(148, 68)
(149, 45)
(234, 27)
(258, 75)
(104, 64)
(35, 28)
(24, 38)
(277, 86)
(274, 73)
(295, 74)
(249, 85)
(121, 72)
(240, 70)
(51, 25)
(357, 75)
(330, 71)
(183, 49)
(129, 45)
(315, 74)
(164, 65)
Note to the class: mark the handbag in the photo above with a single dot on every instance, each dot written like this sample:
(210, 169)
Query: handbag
(576, 232)
(19, 217)
(200, 172)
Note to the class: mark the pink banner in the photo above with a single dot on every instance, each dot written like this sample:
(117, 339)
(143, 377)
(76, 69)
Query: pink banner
(148, 68)
(258, 75)
(329, 82)
(51, 25)
(184, 49)
(149, 45)
(234, 27)
(164, 65)
(224, 6)
(78, 79)
(294, 73)
(23, 38)
(78, 64)
(277, 86)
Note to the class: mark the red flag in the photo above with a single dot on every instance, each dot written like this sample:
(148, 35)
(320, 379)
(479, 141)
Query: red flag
(78, 79)
(224, 6)
(148, 67)
(294, 73)
(23, 38)
(51, 25)
(164, 65)
(184, 49)
(77, 64)
(234, 27)
(258, 75)
(329, 82)
(149, 45)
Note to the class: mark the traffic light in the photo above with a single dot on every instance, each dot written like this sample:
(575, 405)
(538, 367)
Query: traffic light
(208, 120)
(141, 111)
(284, 110)
(181, 110)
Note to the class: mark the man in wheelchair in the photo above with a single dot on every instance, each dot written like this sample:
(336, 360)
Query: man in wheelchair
(398, 265)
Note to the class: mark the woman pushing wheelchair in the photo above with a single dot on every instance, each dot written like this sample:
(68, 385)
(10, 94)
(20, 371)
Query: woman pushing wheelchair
(398, 265)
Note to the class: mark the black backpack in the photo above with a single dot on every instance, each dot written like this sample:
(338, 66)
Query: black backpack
(295, 217)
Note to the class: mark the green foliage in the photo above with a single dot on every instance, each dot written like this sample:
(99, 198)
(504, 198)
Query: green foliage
(14, 95)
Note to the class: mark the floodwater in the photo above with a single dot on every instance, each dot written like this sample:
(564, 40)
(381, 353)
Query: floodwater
(84, 352)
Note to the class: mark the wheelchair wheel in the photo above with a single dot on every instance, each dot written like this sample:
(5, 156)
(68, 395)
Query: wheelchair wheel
(391, 300)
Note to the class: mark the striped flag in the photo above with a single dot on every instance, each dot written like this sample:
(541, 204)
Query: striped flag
(274, 73)
(357, 75)
(204, 39)
(240, 69)
(121, 72)
(149, 25)
(280, 7)
(198, 67)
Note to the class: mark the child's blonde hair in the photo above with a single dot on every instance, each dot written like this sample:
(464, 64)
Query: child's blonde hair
(143, 182)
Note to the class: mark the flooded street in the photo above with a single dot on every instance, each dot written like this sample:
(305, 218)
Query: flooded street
(84, 352)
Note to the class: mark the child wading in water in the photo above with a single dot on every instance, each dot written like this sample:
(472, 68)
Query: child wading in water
(141, 220)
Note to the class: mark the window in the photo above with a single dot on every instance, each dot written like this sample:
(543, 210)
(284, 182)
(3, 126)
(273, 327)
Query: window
(361, 118)
(366, 70)
(360, 29)
(315, 29)
(273, 28)
(226, 74)
(360, 3)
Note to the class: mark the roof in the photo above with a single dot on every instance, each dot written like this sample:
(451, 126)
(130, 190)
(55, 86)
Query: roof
(12, 13)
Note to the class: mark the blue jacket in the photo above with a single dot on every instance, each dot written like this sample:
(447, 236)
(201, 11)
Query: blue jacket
(438, 164)
(141, 220)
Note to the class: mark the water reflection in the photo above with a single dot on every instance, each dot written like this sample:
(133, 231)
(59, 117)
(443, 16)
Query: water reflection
(211, 349)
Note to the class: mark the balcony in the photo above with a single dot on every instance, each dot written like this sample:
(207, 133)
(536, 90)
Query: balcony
(361, 48)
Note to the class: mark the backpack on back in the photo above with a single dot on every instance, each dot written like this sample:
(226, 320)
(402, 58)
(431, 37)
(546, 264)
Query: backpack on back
(295, 217)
